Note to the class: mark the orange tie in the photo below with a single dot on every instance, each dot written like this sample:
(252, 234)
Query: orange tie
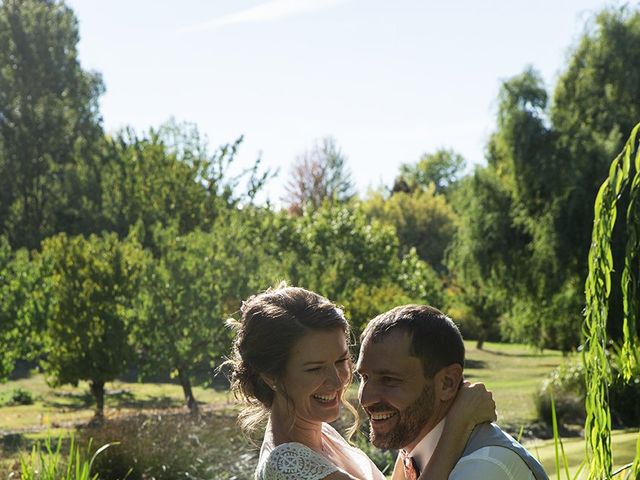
(410, 468)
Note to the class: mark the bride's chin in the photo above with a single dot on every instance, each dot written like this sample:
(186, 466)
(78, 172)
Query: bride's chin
(332, 417)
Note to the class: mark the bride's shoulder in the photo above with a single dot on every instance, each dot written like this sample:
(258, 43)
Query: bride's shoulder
(289, 461)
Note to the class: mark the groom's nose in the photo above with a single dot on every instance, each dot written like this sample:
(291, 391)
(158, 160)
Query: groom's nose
(367, 394)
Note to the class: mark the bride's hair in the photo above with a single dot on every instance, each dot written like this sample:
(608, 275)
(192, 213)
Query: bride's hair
(272, 323)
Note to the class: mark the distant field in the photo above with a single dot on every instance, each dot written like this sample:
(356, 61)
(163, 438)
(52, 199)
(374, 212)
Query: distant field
(513, 372)
(67, 405)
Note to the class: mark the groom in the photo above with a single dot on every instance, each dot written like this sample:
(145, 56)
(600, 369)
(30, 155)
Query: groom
(411, 362)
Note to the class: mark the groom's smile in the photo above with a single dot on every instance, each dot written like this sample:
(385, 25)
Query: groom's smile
(381, 415)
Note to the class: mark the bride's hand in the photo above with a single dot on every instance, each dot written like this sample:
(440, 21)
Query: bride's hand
(474, 404)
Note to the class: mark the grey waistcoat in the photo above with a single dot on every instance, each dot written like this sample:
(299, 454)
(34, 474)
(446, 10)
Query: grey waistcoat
(490, 435)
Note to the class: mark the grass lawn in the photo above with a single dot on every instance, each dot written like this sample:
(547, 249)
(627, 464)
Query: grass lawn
(68, 405)
(513, 372)
(623, 446)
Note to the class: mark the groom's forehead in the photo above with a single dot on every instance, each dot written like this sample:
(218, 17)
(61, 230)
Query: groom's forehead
(386, 352)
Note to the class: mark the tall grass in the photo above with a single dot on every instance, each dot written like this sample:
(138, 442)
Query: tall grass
(47, 462)
(624, 172)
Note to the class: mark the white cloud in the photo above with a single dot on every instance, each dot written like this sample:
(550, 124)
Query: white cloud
(266, 12)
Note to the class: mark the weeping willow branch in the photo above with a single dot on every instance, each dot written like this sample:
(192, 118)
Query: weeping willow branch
(597, 290)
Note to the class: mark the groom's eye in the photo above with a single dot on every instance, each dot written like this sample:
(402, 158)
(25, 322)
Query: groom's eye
(389, 380)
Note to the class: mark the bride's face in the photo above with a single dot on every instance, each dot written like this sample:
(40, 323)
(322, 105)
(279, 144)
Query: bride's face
(318, 370)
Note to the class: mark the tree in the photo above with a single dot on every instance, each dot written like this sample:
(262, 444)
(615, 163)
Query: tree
(9, 330)
(548, 164)
(336, 251)
(317, 175)
(49, 123)
(623, 181)
(195, 282)
(442, 169)
(24, 307)
(423, 219)
(488, 250)
(96, 280)
(596, 104)
(169, 177)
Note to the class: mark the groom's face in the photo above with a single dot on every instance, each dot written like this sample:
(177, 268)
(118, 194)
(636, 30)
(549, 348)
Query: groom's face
(394, 393)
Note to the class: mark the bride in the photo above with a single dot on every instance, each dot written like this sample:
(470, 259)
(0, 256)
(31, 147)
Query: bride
(291, 365)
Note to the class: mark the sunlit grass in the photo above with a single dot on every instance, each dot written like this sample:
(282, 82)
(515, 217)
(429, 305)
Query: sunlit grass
(68, 405)
(623, 441)
(514, 373)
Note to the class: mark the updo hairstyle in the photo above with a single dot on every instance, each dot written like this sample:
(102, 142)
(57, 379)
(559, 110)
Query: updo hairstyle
(272, 323)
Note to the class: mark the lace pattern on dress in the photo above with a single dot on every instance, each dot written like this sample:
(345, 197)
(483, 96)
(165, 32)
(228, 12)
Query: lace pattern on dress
(294, 461)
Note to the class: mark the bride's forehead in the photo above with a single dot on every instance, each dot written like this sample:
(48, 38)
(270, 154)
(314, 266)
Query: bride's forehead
(328, 342)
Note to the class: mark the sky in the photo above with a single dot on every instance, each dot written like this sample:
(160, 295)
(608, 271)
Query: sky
(390, 80)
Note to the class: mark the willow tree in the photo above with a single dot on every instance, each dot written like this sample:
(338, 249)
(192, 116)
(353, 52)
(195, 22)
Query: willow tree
(622, 185)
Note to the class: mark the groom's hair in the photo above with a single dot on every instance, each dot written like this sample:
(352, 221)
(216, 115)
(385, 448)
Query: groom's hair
(435, 338)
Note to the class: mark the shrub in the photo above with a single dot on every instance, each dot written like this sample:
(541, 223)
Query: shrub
(167, 446)
(20, 396)
(566, 383)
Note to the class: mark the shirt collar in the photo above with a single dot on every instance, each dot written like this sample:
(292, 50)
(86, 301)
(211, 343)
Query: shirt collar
(423, 451)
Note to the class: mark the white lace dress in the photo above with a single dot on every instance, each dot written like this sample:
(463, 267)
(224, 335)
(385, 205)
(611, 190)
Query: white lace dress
(295, 461)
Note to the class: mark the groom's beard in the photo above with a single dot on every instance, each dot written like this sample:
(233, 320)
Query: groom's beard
(410, 421)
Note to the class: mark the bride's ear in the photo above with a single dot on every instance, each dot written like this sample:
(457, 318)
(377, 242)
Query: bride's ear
(447, 382)
(269, 380)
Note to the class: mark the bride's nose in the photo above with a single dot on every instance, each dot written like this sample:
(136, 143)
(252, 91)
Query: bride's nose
(334, 379)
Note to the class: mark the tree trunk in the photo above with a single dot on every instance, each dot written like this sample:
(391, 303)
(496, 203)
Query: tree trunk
(97, 390)
(188, 392)
(480, 342)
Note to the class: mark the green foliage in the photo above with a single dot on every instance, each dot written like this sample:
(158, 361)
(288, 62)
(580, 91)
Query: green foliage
(169, 177)
(337, 252)
(422, 219)
(190, 288)
(334, 249)
(564, 392)
(16, 396)
(624, 171)
(23, 307)
(48, 462)
(95, 281)
(528, 249)
(366, 302)
(566, 384)
(8, 326)
(596, 103)
(20, 396)
(383, 459)
(486, 255)
(50, 123)
(475, 311)
(440, 171)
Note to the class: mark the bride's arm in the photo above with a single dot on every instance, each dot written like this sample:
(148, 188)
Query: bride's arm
(473, 405)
